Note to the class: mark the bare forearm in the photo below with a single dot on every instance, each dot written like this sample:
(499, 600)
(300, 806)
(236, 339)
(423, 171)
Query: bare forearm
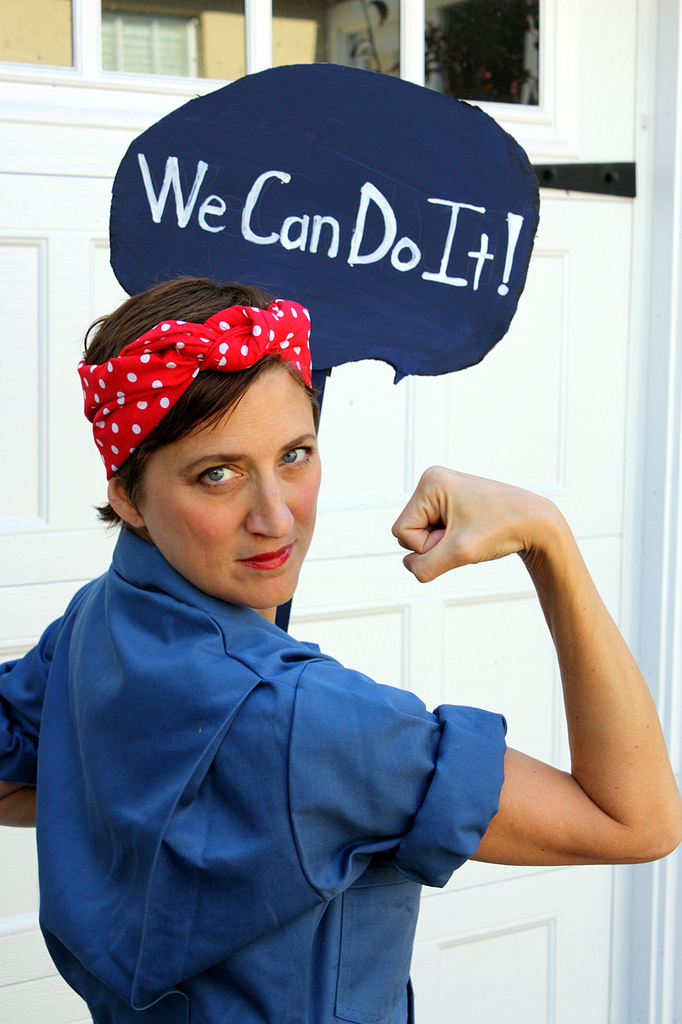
(618, 754)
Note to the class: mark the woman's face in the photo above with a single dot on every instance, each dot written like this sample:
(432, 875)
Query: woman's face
(232, 507)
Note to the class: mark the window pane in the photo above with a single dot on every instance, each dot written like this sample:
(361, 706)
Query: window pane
(178, 37)
(483, 49)
(36, 32)
(160, 46)
(473, 49)
(358, 33)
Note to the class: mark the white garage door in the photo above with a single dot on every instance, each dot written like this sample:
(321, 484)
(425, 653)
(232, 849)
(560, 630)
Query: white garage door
(546, 409)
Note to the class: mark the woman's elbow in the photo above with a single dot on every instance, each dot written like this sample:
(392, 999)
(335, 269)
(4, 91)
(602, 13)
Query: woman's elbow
(670, 839)
(663, 837)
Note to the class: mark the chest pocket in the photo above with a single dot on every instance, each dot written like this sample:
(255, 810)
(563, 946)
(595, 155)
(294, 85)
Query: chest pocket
(379, 917)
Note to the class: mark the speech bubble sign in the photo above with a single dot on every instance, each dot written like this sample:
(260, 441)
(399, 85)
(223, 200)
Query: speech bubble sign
(402, 218)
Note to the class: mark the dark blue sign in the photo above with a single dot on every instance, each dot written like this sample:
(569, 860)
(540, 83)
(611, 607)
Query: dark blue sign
(402, 218)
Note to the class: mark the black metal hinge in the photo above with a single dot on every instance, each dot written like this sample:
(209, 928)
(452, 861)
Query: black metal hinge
(604, 179)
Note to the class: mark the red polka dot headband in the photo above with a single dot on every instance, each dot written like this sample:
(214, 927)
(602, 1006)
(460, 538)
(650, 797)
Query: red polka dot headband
(126, 397)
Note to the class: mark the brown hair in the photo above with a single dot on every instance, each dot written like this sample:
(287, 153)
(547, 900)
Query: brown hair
(210, 395)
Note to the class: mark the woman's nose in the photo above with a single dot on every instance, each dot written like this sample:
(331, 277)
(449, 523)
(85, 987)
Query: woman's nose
(270, 516)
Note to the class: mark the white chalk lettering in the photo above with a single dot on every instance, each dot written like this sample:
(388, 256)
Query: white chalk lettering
(514, 222)
(171, 177)
(249, 205)
(442, 275)
(368, 193)
(333, 223)
(405, 243)
(300, 241)
(480, 258)
(313, 231)
(215, 206)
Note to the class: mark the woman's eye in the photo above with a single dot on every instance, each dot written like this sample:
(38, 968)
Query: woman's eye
(217, 474)
(296, 455)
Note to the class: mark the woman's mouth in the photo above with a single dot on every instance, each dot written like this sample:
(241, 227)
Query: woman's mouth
(268, 560)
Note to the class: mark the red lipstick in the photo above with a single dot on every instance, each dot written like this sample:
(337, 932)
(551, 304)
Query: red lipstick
(269, 560)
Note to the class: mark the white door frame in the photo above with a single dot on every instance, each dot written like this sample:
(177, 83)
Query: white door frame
(647, 984)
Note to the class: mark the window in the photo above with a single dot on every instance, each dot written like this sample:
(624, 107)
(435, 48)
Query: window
(483, 50)
(178, 37)
(158, 46)
(473, 49)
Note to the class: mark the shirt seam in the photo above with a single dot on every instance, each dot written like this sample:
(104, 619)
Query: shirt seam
(294, 833)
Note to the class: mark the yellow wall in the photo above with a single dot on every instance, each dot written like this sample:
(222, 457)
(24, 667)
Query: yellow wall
(36, 31)
(294, 41)
(222, 45)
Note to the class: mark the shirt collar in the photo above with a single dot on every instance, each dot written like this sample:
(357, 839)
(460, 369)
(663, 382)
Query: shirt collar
(141, 564)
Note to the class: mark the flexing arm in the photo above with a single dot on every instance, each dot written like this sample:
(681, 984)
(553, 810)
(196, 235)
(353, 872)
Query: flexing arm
(17, 804)
(620, 803)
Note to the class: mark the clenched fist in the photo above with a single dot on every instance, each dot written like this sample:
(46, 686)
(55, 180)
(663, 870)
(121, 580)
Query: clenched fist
(454, 519)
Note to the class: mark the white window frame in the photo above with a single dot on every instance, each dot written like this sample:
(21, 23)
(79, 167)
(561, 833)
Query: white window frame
(547, 131)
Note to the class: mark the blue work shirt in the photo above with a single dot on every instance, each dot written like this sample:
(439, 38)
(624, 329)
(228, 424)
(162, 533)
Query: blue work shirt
(232, 827)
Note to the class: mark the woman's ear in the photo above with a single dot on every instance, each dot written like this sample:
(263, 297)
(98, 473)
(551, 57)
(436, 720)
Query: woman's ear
(118, 499)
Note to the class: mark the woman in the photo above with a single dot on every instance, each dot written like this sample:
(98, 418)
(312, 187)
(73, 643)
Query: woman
(232, 826)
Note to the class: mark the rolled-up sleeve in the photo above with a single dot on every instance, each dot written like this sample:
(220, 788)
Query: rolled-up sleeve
(373, 772)
(22, 692)
(462, 798)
